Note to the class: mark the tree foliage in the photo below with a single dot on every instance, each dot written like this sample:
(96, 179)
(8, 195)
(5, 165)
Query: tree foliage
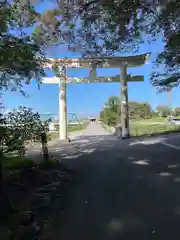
(177, 111)
(113, 103)
(109, 117)
(139, 110)
(100, 28)
(21, 57)
(92, 28)
(95, 27)
(16, 129)
(111, 113)
(163, 110)
(22, 125)
(169, 77)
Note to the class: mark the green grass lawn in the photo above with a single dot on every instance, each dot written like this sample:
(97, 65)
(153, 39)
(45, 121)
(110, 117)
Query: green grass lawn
(151, 120)
(154, 119)
(138, 129)
(16, 163)
(71, 128)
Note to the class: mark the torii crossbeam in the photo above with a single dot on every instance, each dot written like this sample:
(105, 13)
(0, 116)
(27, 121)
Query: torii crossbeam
(93, 63)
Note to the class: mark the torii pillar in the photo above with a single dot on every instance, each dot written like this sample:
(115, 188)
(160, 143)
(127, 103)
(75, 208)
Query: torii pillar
(124, 102)
(62, 104)
(62, 111)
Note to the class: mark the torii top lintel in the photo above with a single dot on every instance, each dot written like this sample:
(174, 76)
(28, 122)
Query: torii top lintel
(112, 79)
(112, 61)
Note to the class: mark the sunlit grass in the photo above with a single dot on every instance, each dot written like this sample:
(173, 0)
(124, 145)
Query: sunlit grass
(151, 120)
(146, 129)
(71, 128)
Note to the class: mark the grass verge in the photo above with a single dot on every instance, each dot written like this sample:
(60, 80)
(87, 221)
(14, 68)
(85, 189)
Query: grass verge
(143, 129)
(138, 129)
(16, 163)
(71, 128)
(155, 119)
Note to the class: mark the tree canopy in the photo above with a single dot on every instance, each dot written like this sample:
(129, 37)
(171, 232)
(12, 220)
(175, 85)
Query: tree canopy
(163, 110)
(20, 126)
(96, 27)
(111, 112)
(21, 56)
(177, 111)
(170, 57)
(100, 28)
(139, 110)
(90, 27)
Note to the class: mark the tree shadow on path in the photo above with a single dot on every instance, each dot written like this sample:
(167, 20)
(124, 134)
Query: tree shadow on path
(129, 191)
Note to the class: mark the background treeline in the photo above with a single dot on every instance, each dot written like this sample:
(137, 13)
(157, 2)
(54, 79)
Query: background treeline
(110, 114)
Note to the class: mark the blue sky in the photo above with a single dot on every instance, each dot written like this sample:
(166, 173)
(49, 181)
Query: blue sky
(88, 99)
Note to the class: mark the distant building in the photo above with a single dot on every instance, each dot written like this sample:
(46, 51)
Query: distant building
(92, 118)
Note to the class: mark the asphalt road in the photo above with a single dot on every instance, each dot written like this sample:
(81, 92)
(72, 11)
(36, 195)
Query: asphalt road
(123, 190)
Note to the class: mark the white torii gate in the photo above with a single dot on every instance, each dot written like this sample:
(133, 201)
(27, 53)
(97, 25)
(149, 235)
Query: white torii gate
(92, 64)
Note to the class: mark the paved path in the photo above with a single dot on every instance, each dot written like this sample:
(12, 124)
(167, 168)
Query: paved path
(123, 190)
(93, 129)
(80, 139)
